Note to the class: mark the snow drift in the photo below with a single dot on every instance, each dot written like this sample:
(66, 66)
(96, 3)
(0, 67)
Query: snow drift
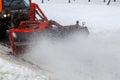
(13, 68)
(94, 58)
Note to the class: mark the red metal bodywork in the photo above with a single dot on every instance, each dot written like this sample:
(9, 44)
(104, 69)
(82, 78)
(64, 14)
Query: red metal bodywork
(41, 24)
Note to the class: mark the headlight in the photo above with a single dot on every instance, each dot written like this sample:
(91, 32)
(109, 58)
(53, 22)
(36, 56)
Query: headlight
(4, 15)
(8, 15)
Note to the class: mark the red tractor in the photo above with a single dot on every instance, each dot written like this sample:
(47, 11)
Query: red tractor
(22, 19)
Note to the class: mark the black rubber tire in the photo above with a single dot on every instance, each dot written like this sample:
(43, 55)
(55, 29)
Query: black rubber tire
(2, 31)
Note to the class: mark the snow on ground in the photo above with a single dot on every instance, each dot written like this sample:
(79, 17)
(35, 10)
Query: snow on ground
(13, 68)
(98, 16)
(95, 58)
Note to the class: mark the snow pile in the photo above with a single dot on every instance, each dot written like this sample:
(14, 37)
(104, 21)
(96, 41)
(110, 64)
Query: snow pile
(95, 58)
(12, 68)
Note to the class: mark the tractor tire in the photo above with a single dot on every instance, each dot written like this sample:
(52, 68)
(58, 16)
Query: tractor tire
(2, 31)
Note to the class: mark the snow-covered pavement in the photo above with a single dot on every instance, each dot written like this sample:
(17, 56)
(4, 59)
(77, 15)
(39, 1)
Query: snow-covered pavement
(13, 68)
(96, 58)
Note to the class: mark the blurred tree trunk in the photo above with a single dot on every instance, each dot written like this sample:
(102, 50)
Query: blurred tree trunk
(69, 1)
(42, 1)
(108, 2)
(88, 0)
(104, 0)
(114, 0)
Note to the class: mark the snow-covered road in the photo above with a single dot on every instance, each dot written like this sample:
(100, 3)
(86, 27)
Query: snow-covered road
(13, 68)
(95, 58)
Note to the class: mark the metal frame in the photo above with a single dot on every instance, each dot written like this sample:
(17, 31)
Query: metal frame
(41, 25)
